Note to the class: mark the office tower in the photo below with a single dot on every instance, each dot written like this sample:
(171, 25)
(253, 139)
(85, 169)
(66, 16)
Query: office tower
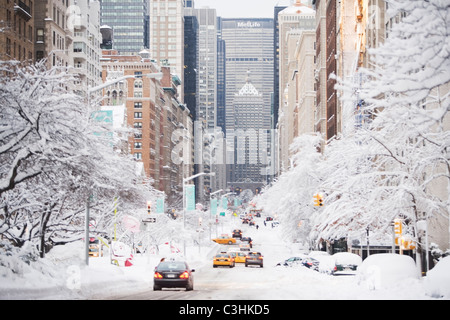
(207, 64)
(167, 37)
(129, 20)
(249, 47)
(190, 63)
(251, 139)
(221, 78)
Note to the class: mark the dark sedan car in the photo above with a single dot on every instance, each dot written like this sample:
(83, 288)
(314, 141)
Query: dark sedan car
(254, 258)
(173, 274)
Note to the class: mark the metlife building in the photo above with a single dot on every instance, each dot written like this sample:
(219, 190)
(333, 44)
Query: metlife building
(249, 57)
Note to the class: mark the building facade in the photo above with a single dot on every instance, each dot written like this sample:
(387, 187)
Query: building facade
(249, 47)
(167, 36)
(129, 20)
(17, 32)
(295, 23)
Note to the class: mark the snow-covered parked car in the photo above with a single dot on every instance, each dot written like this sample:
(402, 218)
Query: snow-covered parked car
(325, 261)
(437, 282)
(384, 270)
(346, 263)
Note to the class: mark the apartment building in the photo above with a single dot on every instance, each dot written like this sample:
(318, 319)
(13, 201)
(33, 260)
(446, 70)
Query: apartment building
(17, 32)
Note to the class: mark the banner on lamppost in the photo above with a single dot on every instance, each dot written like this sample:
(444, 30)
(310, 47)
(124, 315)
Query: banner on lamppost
(160, 205)
(225, 202)
(213, 207)
(190, 197)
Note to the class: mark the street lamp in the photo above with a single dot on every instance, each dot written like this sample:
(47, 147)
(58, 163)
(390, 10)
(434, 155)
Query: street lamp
(184, 198)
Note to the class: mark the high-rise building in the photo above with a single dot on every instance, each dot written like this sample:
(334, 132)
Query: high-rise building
(129, 20)
(251, 139)
(207, 64)
(167, 37)
(190, 63)
(293, 21)
(249, 47)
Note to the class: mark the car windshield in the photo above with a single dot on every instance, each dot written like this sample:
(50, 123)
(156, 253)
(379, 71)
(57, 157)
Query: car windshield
(172, 265)
(222, 255)
(254, 254)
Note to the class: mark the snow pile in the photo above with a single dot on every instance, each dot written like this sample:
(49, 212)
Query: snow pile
(386, 270)
(437, 282)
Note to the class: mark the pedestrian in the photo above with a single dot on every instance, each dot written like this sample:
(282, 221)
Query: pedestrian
(257, 227)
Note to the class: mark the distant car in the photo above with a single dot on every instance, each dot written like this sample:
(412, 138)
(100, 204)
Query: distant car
(254, 258)
(237, 233)
(247, 240)
(269, 218)
(346, 263)
(244, 247)
(224, 239)
(239, 257)
(173, 274)
(223, 259)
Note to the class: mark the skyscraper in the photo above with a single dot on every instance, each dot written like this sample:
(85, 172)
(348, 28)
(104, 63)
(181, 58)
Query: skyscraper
(167, 37)
(248, 47)
(129, 20)
(207, 64)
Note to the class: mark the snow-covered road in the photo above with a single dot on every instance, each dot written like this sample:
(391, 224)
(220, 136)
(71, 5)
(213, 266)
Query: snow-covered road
(271, 282)
(66, 277)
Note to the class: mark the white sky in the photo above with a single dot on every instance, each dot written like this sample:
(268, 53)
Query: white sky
(242, 8)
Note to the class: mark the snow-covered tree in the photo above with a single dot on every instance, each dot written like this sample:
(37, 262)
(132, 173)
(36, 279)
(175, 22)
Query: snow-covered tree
(55, 159)
(384, 168)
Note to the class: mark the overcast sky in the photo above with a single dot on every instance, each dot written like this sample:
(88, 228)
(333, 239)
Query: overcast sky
(242, 8)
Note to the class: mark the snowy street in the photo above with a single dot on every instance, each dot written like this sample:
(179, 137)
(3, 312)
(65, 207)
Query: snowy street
(270, 282)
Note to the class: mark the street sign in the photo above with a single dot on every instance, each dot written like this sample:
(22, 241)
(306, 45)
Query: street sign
(149, 220)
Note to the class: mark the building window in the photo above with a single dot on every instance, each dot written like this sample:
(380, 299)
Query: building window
(138, 105)
(138, 125)
(40, 35)
(138, 115)
(138, 155)
(138, 145)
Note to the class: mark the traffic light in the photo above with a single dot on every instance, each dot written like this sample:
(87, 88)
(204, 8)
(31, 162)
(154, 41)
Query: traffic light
(149, 207)
(398, 230)
(318, 200)
(398, 227)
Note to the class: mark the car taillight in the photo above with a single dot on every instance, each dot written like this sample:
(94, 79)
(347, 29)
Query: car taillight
(158, 275)
(260, 258)
(184, 275)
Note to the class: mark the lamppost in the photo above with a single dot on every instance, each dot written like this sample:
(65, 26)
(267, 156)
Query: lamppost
(210, 208)
(184, 198)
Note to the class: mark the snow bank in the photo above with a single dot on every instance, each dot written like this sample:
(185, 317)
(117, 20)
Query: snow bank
(386, 270)
(437, 282)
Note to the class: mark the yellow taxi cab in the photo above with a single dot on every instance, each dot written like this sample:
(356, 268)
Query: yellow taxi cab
(224, 239)
(223, 259)
(239, 257)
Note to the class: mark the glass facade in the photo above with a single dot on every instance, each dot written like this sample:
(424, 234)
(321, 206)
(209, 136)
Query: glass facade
(129, 20)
